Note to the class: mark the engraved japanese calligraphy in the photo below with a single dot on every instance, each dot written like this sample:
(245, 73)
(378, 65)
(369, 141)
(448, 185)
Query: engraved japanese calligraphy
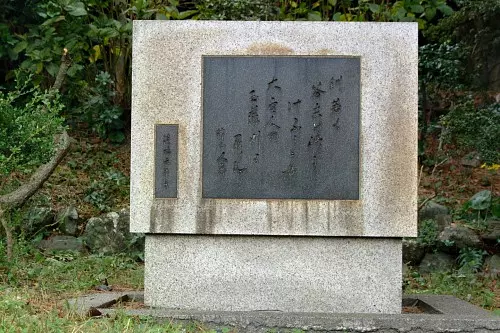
(166, 161)
(281, 127)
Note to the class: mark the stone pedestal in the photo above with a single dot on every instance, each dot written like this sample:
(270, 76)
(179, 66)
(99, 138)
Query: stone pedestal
(291, 274)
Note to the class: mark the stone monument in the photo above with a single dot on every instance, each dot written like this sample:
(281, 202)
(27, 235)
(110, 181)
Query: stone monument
(274, 164)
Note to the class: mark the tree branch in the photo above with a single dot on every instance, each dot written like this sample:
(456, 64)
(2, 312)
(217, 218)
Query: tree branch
(25, 191)
(63, 69)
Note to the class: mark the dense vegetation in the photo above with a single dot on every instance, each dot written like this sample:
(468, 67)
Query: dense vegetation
(65, 66)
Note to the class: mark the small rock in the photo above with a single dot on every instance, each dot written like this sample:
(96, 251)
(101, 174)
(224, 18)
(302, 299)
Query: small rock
(436, 262)
(460, 236)
(472, 160)
(405, 269)
(492, 266)
(103, 287)
(492, 233)
(93, 312)
(431, 210)
(413, 252)
(67, 219)
(62, 243)
(485, 181)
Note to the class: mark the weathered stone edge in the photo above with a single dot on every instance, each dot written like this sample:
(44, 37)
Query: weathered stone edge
(457, 316)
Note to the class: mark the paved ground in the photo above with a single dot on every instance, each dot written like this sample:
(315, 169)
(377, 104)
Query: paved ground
(441, 314)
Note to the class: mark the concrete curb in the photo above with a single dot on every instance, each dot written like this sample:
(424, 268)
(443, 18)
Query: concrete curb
(443, 314)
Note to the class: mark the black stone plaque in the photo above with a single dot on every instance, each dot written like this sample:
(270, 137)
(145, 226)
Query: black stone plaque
(281, 127)
(166, 161)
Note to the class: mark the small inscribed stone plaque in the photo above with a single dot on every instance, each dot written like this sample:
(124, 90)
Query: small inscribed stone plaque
(166, 161)
(281, 127)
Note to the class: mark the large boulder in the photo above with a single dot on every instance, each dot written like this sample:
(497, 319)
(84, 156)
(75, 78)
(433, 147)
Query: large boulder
(492, 266)
(443, 221)
(458, 237)
(413, 252)
(67, 219)
(436, 262)
(431, 211)
(492, 233)
(37, 219)
(472, 160)
(109, 234)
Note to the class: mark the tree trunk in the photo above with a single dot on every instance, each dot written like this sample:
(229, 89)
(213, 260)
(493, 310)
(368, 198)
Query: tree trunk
(8, 234)
(120, 80)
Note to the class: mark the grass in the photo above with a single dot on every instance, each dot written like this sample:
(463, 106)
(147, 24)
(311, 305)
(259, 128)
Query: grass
(474, 288)
(35, 285)
(19, 315)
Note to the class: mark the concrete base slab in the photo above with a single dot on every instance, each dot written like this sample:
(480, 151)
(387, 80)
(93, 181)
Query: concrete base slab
(290, 274)
(441, 314)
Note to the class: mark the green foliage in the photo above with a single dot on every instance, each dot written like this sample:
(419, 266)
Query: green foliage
(476, 211)
(94, 42)
(244, 10)
(470, 260)
(442, 66)
(476, 28)
(29, 119)
(474, 128)
(427, 232)
(60, 26)
(421, 11)
(99, 111)
(101, 193)
(14, 16)
(481, 200)
(7, 42)
(98, 36)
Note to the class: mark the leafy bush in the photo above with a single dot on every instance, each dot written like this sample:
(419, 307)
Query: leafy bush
(100, 113)
(97, 35)
(331, 10)
(476, 28)
(470, 259)
(28, 122)
(427, 232)
(101, 193)
(442, 66)
(481, 206)
(245, 10)
(474, 128)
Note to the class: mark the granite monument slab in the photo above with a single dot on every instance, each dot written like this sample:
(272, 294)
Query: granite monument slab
(274, 164)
